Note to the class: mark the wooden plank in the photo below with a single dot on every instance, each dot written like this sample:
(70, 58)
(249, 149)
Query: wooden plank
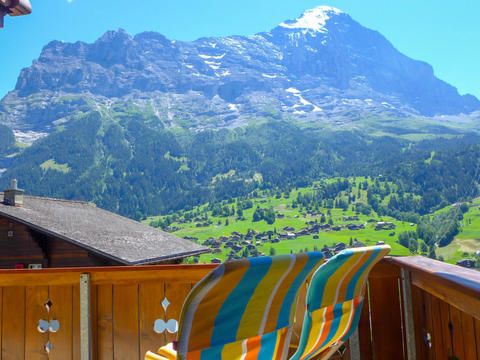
(126, 342)
(438, 342)
(105, 322)
(163, 273)
(110, 269)
(408, 332)
(346, 354)
(418, 309)
(151, 297)
(35, 310)
(460, 277)
(106, 275)
(460, 298)
(364, 330)
(175, 294)
(468, 331)
(429, 330)
(446, 333)
(93, 323)
(1, 319)
(37, 278)
(457, 332)
(477, 337)
(385, 268)
(62, 311)
(446, 281)
(386, 318)
(76, 322)
(13, 323)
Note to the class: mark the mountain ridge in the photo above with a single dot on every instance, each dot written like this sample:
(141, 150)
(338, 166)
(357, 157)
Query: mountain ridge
(323, 71)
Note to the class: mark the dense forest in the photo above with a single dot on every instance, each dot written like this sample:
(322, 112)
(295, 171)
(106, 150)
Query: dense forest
(7, 140)
(134, 166)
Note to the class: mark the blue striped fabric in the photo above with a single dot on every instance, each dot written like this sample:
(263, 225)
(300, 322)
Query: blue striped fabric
(334, 300)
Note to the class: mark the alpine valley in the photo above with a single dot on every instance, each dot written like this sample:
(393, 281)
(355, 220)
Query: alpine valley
(145, 125)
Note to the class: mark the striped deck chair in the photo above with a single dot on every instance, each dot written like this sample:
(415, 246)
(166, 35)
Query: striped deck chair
(334, 301)
(243, 309)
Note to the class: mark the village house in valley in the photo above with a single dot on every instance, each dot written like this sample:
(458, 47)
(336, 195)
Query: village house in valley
(39, 232)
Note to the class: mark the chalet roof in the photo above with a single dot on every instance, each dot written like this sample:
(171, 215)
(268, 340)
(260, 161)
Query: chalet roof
(99, 231)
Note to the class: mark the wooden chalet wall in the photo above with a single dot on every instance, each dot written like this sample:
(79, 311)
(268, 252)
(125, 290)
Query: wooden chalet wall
(17, 245)
(27, 246)
(64, 254)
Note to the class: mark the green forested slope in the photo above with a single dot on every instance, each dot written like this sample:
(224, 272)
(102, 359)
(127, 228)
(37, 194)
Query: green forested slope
(130, 163)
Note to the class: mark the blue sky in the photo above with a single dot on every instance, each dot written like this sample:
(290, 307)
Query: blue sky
(443, 33)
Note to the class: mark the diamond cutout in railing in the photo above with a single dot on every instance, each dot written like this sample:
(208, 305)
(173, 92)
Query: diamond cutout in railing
(48, 305)
(48, 347)
(165, 304)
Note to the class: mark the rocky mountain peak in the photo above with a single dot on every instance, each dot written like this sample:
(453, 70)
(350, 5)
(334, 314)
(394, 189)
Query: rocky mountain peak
(320, 66)
(114, 47)
(118, 36)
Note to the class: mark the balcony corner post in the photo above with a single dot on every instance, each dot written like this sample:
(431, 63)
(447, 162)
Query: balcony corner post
(354, 342)
(408, 314)
(85, 332)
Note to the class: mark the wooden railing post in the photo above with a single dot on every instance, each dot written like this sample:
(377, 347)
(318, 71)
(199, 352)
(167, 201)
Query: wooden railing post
(354, 342)
(85, 328)
(408, 314)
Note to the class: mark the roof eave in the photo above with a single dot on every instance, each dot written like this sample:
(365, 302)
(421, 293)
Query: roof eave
(176, 256)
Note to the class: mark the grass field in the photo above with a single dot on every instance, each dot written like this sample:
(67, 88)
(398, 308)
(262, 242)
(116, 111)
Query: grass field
(467, 241)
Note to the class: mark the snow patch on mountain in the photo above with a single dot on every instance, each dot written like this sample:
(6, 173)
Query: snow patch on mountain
(203, 56)
(297, 93)
(314, 19)
(28, 137)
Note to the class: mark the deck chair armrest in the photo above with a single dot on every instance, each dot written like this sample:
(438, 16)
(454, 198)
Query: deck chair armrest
(168, 352)
(152, 356)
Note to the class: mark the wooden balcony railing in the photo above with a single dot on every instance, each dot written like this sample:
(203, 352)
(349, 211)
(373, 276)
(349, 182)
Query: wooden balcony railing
(416, 308)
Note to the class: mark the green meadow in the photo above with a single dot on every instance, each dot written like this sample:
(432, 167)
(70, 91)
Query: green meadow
(467, 241)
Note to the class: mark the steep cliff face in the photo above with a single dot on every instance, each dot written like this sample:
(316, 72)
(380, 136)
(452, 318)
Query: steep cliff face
(320, 66)
(327, 44)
